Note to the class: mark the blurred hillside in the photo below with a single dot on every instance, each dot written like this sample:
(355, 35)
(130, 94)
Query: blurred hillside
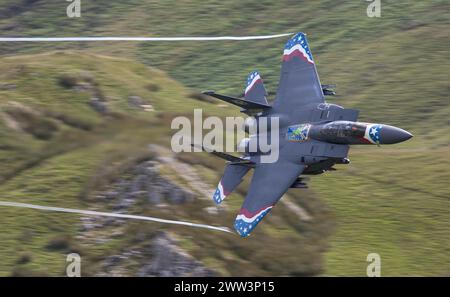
(75, 132)
(76, 124)
(399, 58)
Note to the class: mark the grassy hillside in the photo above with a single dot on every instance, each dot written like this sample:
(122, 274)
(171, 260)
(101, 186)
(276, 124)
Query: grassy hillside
(390, 200)
(85, 151)
(332, 26)
(395, 67)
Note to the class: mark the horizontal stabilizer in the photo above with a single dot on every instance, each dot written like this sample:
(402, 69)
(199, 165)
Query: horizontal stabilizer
(248, 105)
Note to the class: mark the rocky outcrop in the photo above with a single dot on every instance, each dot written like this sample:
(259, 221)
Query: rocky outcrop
(159, 255)
(98, 105)
(145, 181)
(7, 87)
(169, 260)
(138, 102)
(135, 101)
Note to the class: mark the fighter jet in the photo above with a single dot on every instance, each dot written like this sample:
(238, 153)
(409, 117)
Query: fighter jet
(313, 135)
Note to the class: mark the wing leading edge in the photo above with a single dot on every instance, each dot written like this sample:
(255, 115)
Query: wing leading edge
(269, 182)
(238, 101)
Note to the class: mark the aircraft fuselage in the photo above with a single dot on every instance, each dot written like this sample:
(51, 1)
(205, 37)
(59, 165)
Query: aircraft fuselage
(346, 132)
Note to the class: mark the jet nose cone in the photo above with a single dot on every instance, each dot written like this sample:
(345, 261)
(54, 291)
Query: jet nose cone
(390, 135)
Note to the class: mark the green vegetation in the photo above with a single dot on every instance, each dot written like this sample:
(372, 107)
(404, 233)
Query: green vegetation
(88, 152)
(56, 149)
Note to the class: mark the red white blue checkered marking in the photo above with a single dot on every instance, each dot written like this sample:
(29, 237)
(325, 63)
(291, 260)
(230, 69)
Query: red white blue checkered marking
(253, 79)
(297, 46)
(220, 194)
(246, 221)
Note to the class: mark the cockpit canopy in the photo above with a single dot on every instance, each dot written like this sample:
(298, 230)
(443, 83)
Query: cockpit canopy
(340, 129)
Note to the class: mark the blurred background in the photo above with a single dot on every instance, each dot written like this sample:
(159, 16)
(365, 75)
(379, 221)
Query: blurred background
(87, 125)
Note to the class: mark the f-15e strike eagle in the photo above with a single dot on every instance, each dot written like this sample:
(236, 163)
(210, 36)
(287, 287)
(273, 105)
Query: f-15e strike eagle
(313, 135)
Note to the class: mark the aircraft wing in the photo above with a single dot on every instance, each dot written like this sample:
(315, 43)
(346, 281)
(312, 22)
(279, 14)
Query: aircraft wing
(238, 101)
(299, 82)
(269, 182)
(230, 158)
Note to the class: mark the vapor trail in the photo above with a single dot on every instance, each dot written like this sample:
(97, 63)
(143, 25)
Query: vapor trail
(110, 214)
(183, 38)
